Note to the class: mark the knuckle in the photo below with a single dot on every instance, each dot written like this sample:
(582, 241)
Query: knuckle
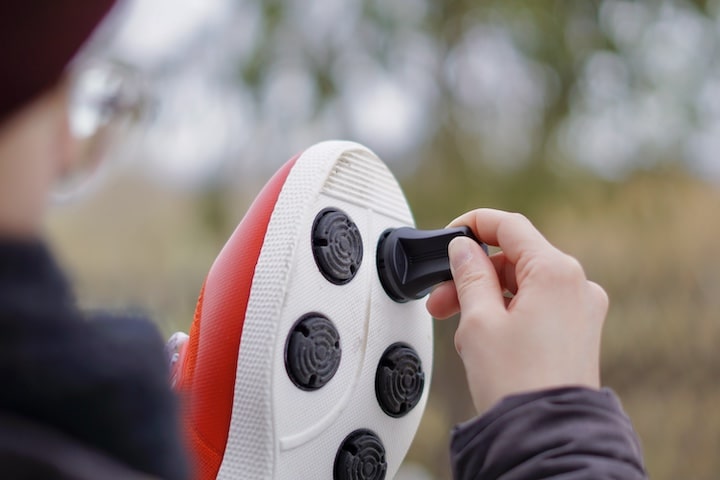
(569, 269)
(511, 221)
(519, 217)
(573, 267)
(599, 296)
(517, 220)
(557, 267)
(458, 340)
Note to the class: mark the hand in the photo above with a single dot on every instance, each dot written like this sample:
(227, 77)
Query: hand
(529, 318)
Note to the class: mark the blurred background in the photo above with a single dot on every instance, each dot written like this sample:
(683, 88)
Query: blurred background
(600, 120)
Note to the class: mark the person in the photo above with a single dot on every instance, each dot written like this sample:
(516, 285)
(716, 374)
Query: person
(83, 395)
(529, 330)
(529, 338)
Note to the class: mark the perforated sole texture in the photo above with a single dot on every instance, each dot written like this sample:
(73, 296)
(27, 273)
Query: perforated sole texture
(304, 390)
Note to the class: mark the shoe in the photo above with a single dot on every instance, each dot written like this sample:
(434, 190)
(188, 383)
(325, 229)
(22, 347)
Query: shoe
(298, 363)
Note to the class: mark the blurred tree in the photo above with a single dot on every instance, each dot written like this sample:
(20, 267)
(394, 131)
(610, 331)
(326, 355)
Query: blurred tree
(594, 117)
(470, 91)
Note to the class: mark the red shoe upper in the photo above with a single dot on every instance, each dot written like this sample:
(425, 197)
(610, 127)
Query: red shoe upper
(208, 371)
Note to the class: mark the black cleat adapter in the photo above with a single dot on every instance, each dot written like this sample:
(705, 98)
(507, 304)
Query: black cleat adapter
(336, 245)
(360, 457)
(312, 352)
(410, 262)
(399, 380)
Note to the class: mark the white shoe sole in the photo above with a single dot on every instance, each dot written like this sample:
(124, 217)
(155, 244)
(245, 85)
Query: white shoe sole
(279, 430)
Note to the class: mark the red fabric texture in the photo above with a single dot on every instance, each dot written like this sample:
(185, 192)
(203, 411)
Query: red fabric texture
(208, 377)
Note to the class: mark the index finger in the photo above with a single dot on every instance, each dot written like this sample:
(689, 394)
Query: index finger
(512, 232)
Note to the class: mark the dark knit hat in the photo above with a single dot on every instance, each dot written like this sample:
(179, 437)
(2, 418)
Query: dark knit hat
(37, 40)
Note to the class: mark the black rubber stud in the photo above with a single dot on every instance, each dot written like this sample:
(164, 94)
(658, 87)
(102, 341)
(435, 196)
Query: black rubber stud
(399, 380)
(360, 457)
(336, 245)
(312, 352)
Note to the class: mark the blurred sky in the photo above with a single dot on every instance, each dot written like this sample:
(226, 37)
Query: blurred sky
(648, 96)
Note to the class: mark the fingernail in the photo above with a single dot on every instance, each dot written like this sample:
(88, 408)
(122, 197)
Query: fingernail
(459, 251)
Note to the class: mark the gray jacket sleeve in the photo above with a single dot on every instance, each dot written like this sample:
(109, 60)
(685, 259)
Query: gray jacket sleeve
(568, 433)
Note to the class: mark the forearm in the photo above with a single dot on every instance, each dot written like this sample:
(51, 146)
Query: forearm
(576, 432)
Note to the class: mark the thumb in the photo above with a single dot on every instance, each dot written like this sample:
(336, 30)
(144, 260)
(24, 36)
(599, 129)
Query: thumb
(476, 281)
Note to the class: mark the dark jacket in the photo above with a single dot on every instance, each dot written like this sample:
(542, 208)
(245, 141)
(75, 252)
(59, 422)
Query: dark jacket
(566, 433)
(102, 382)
